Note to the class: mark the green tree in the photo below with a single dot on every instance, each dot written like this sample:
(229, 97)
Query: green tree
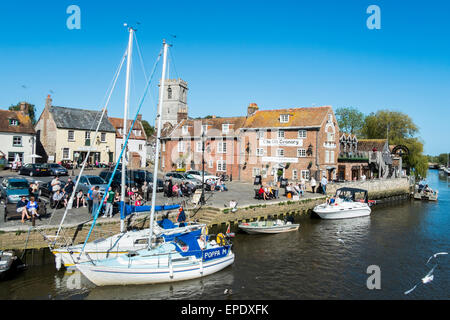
(400, 129)
(149, 130)
(30, 109)
(350, 120)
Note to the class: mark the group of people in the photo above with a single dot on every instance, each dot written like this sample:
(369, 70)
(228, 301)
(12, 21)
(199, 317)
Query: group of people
(267, 192)
(28, 208)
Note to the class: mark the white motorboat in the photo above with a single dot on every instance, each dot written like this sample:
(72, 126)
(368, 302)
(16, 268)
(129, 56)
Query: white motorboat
(189, 256)
(344, 205)
(115, 245)
(6, 260)
(265, 227)
(424, 192)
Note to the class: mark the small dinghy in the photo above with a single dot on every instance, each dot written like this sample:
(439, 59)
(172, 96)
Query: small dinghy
(261, 227)
(6, 261)
(424, 192)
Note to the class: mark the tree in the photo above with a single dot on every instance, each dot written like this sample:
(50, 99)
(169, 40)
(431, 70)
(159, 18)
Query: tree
(149, 130)
(31, 110)
(400, 130)
(350, 120)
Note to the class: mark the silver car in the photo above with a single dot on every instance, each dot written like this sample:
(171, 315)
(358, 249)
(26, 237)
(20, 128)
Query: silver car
(178, 177)
(87, 182)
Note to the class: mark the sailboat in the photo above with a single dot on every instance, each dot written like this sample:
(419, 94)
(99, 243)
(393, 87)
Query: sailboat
(68, 255)
(188, 255)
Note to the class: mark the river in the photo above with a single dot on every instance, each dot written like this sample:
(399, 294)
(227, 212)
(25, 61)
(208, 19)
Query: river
(309, 264)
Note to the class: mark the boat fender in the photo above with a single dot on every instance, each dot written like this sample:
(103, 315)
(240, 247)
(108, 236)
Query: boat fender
(220, 239)
(205, 230)
(203, 240)
(58, 262)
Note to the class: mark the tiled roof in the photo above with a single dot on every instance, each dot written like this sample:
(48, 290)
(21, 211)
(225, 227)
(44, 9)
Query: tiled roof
(369, 144)
(24, 125)
(118, 123)
(298, 117)
(80, 119)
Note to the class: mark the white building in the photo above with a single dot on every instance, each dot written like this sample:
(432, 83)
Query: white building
(137, 143)
(17, 135)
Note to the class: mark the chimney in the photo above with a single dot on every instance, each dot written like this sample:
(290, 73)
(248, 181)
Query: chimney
(24, 107)
(181, 115)
(48, 102)
(251, 109)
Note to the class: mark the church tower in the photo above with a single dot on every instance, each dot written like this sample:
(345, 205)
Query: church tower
(174, 108)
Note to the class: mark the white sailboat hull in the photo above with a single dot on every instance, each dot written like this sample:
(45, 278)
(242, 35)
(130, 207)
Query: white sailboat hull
(104, 276)
(352, 210)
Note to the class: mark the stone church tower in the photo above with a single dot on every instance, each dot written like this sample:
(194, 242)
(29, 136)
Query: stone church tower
(174, 107)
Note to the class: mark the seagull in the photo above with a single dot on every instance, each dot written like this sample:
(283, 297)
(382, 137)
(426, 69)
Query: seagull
(340, 240)
(227, 291)
(429, 277)
(435, 255)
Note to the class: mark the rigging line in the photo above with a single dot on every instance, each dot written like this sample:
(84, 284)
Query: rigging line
(116, 76)
(141, 59)
(173, 62)
(122, 205)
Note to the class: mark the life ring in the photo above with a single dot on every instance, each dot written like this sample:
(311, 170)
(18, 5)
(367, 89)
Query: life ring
(205, 231)
(220, 239)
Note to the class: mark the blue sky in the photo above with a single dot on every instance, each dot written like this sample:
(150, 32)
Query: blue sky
(275, 53)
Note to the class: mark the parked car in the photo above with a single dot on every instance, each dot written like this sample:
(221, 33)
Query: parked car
(56, 169)
(89, 181)
(178, 177)
(117, 180)
(140, 176)
(198, 175)
(11, 190)
(34, 169)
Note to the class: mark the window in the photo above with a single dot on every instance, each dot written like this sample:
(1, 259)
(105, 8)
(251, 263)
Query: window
(260, 134)
(103, 137)
(163, 146)
(221, 165)
(305, 174)
(327, 156)
(12, 157)
(180, 146)
(204, 128)
(301, 153)
(71, 135)
(284, 118)
(331, 156)
(222, 147)
(225, 128)
(302, 133)
(198, 146)
(137, 133)
(280, 134)
(294, 174)
(330, 117)
(140, 147)
(180, 165)
(210, 164)
(169, 93)
(87, 135)
(13, 122)
(66, 153)
(256, 172)
(17, 141)
(163, 165)
(184, 130)
(259, 152)
(280, 152)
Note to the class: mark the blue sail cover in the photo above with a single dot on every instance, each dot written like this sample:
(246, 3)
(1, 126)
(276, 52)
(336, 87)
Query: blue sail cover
(190, 239)
(132, 209)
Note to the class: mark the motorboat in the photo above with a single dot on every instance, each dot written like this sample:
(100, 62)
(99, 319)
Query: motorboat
(345, 205)
(270, 226)
(424, 192)
(189, 256)
(6, 260)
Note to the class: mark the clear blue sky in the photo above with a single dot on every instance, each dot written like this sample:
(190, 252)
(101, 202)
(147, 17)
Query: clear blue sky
(275, 53)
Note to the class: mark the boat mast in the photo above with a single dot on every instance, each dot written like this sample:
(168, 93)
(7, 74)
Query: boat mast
(158, 143)
(125, 113)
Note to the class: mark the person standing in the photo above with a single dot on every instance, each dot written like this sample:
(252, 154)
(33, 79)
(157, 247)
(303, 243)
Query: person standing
(144, 189)
(109, 203)
(313, 184)
(95, 200)
(324, 183)
(68, 189)
(90, 199)
(56, 184)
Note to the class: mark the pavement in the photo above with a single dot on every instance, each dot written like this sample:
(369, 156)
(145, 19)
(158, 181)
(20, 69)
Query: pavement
(241, 192)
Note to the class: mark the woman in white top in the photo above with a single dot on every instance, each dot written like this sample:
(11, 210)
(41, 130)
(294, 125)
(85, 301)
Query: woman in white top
(313, 184)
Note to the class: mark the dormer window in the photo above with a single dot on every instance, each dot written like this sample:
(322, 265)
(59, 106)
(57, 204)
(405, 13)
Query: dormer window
(330, 118)
(284, 118)
(120, 130)
(13, 122)
(184, 129)
(225, 128)
(205, 128)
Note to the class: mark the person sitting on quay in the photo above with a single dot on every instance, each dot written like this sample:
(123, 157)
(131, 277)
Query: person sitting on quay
(221, 186)
(211, 184)
(33, 207)
(22, 207)
(58, 199)
(297, 190)
(289, 189)
(81, 198)
(261, 193)
(176, 190)
(233, 205)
